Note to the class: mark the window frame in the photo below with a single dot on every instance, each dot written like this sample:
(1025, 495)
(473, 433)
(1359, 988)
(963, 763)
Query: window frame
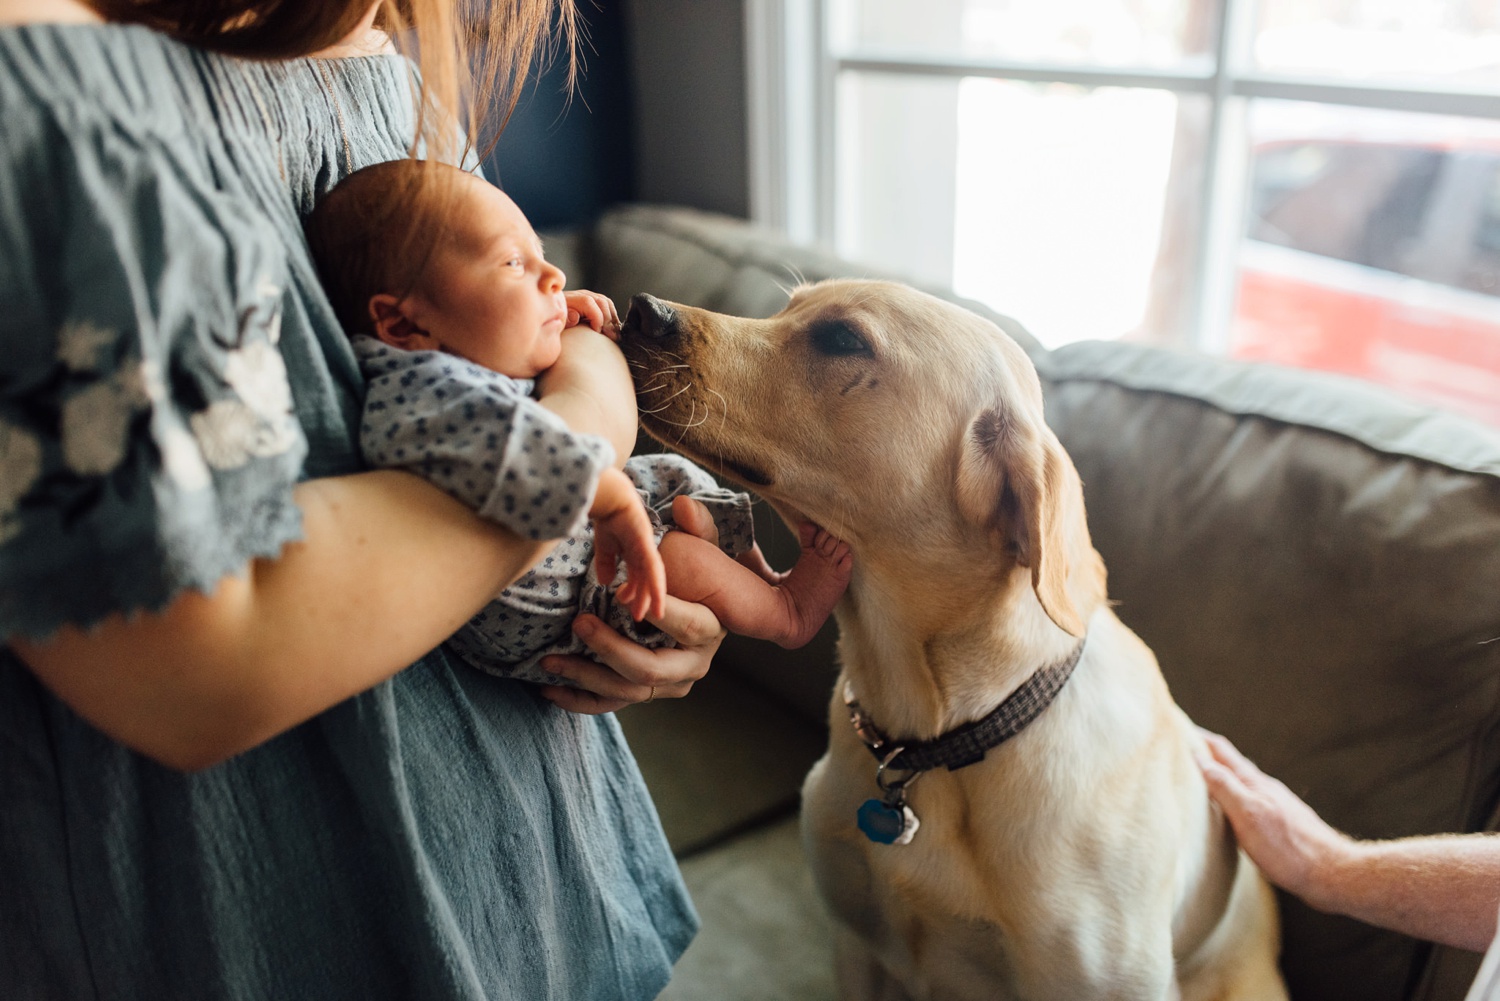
(792, 77)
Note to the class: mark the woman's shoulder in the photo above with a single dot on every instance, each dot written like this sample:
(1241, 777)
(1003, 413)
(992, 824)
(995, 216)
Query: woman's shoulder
(123, 80)
(18, 12)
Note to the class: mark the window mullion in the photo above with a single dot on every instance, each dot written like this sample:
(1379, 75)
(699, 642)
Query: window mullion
(1223, 187)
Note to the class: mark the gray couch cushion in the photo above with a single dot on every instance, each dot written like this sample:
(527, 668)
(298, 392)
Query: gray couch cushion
(1317, 567)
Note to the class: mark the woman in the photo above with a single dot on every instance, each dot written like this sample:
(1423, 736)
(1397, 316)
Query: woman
(220, 776)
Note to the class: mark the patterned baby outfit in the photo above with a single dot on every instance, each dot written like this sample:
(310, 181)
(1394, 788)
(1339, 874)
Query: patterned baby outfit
(481, 437)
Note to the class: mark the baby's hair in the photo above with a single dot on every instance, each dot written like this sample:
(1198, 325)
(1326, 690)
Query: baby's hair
(375, 232)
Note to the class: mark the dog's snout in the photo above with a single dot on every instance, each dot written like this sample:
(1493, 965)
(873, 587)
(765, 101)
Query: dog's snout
(651, 318)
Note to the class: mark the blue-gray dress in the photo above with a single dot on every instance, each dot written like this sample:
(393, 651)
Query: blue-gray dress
(168, 370)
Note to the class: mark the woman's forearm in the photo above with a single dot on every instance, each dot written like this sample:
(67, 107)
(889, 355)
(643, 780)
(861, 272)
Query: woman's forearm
(1444, 888)
(388, 567)
(590, 389)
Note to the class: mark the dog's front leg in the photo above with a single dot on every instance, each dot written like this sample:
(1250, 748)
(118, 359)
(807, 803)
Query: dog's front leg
(860, 974)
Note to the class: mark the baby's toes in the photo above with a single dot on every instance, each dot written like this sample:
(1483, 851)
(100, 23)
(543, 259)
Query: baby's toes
(828, 545)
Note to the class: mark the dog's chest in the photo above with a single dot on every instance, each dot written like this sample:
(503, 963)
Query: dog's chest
(997, 896)
(1029, 954)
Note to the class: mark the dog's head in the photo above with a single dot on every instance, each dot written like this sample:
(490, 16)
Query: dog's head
(907, 425)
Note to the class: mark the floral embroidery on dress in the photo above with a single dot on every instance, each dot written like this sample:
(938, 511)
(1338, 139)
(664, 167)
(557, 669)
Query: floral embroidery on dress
(79, 343)
(183, 460)
(257, 375)
(20, 466)
(230, 434)
(259, 422)
(96, 421)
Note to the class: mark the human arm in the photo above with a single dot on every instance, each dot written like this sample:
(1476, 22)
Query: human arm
(1444, 888)
(387, 568)
(590, 389)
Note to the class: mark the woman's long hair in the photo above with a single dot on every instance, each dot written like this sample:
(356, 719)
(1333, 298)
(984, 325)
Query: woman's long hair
(473, 55)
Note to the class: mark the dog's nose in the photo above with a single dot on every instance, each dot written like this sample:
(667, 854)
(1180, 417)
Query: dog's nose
(651, 318)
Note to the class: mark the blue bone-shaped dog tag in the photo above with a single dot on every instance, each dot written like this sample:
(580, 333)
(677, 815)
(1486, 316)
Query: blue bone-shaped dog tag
(887, 825)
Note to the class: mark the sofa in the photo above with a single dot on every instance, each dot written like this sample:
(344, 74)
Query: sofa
(1316, 564)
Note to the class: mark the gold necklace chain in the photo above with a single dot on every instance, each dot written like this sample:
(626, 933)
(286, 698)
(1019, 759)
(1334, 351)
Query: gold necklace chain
(338, 111)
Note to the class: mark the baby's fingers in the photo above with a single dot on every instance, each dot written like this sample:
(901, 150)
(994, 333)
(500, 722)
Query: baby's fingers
(626, 534)
(606, 557)
(645, 589)
(596, 310)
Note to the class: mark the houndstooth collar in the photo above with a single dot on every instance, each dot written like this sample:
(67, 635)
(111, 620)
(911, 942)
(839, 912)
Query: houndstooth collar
(968, 743)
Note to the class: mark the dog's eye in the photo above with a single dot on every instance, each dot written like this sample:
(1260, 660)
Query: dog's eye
(837, 338)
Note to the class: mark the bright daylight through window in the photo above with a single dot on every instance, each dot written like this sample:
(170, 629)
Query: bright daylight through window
(1307, 182)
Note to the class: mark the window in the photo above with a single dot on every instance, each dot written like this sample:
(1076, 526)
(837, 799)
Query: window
(1306, 182)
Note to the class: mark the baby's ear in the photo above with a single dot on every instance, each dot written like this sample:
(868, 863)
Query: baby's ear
(391, 325)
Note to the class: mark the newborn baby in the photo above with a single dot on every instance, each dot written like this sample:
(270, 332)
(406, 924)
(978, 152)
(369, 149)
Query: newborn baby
(451, 323)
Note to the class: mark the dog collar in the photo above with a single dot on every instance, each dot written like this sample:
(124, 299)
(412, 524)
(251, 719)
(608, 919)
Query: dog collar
(890, 820)
(966, 744)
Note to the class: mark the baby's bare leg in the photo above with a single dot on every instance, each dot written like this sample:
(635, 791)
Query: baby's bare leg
(788, 613)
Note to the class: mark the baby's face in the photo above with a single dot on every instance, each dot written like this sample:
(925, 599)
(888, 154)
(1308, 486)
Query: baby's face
(488, 295)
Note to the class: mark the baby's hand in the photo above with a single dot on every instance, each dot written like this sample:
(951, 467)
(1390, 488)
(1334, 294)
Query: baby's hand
(598, 311)
(622, 530)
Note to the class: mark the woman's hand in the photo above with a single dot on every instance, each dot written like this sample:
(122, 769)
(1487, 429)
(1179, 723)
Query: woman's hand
(628, 672)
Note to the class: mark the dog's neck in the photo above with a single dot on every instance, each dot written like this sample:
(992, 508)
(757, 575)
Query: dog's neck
(921, 670)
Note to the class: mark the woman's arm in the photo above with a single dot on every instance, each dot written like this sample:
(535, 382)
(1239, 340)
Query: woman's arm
(590, 389)
(1444, 888)
(388, 567)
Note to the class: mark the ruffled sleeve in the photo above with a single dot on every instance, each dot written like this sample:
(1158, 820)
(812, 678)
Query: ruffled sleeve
(147, 441)
(479, 436)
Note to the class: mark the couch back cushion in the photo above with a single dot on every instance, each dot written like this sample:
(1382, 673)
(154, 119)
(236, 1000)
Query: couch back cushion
(1317, 567)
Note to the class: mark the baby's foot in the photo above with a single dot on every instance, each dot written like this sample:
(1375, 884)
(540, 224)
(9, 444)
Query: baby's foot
(814, 584)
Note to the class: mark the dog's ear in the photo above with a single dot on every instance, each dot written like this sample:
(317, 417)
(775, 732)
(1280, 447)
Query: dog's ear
(1015, 478)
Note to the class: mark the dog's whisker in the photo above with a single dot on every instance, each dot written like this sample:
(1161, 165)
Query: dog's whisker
(723, 402)
(693, 409)
(683, 389)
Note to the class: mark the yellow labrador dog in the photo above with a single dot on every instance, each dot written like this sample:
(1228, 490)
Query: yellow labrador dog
(1009, 806)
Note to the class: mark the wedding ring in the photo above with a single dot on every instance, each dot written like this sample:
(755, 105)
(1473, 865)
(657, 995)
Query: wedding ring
(652, 696)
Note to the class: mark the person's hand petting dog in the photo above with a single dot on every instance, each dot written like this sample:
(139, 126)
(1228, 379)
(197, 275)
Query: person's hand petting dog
(1442, 887)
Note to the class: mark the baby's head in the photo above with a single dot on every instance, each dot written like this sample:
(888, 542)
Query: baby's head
(425, 256)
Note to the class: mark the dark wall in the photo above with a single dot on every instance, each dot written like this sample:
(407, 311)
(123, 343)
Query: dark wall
(565, 159)
(659, 116)
(688, 59)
